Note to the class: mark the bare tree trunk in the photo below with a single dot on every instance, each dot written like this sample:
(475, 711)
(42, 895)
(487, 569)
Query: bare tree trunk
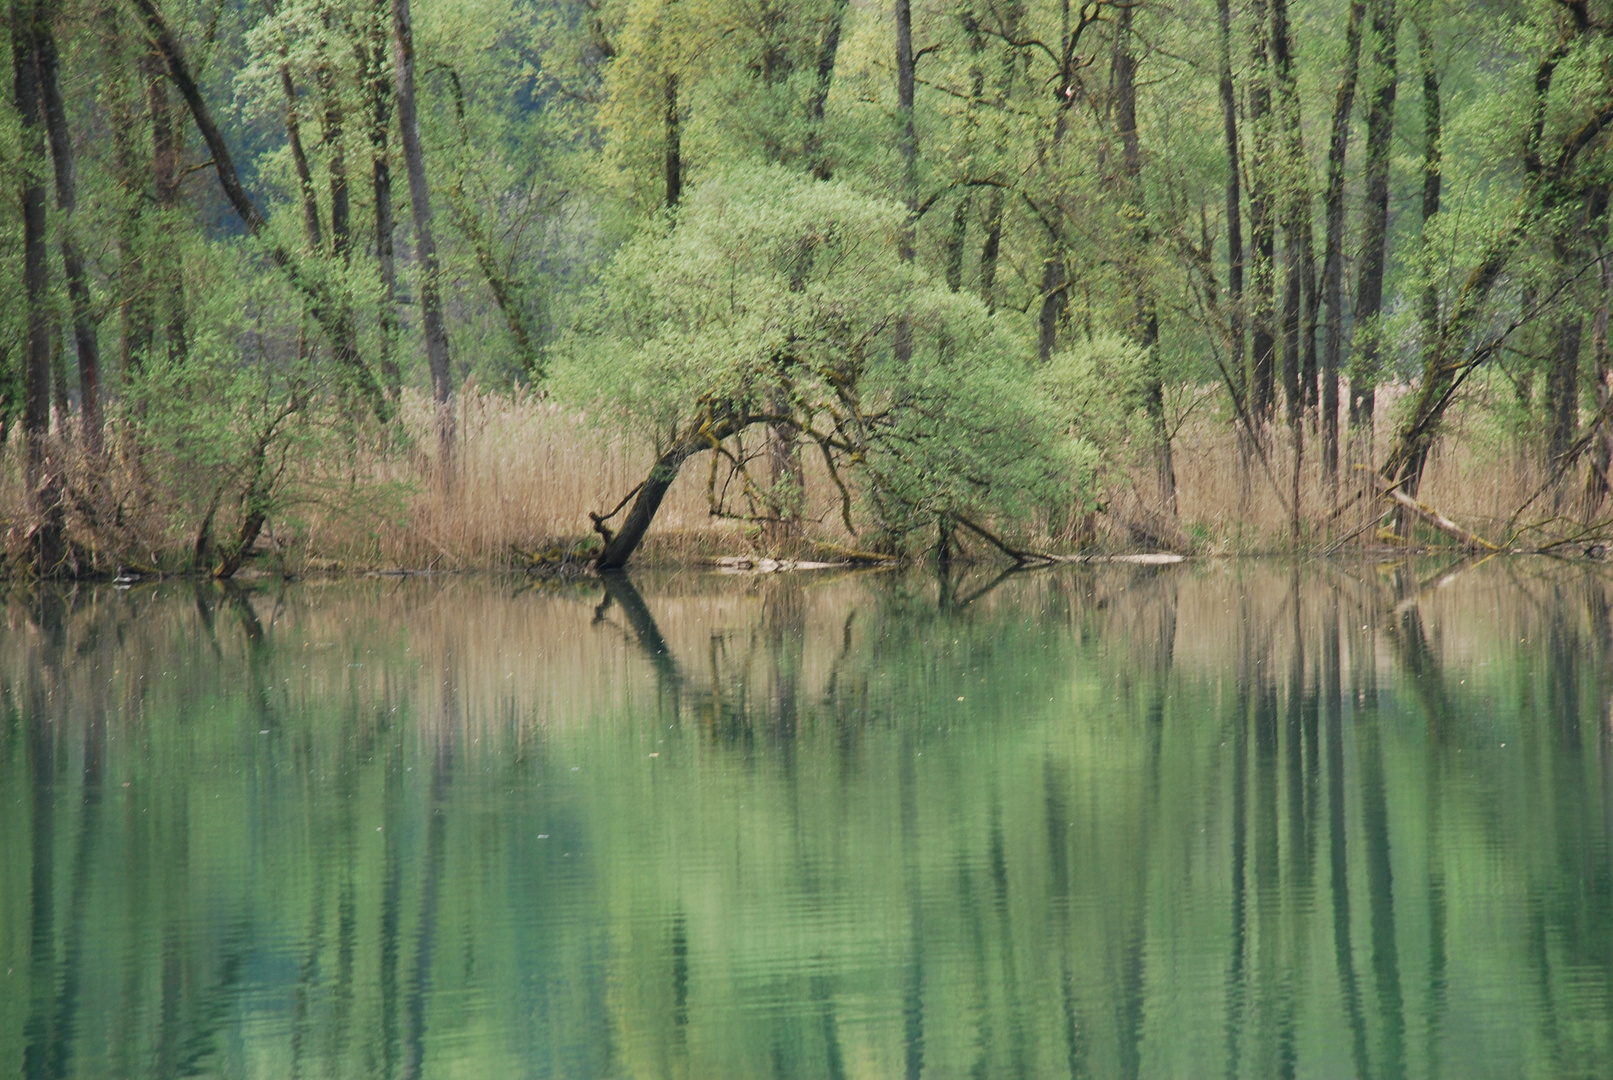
(1374, 225)
(299, 159)
(44, 502)
(1299, 287)
(1596, 482)
(908, 144)
(344, 328)
(1262, 222)
(1145, 321)
(619, 546)
(431, 317)
(1333, 251)
(165, 275)
(1428, 307)
(674, 150)
(372, 54)
(333, 122)
(1229, 125)
(120, 87)
(78, 288)
(1562, 386)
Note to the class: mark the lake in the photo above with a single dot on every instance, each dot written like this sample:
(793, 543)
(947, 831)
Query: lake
(1228, 818)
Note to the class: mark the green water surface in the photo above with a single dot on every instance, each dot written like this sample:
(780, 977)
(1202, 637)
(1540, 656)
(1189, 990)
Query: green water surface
(1223, 819)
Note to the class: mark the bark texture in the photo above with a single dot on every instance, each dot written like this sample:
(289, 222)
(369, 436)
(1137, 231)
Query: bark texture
(431, 316)
(1333, 249)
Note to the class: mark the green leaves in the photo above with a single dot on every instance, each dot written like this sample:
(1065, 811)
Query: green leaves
(769, 296)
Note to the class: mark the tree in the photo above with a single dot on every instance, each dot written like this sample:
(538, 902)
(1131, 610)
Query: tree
(414, 161)
(765, 279)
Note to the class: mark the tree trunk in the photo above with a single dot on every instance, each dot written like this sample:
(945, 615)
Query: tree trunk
(958, 236)
(786, 478)
(674, 151)
(991, 248)
(1053, 299)
(956, 240)
(372, 55)
(333, 121)
(431, 316)
(1333, 250)
(1145, 321)
(1428, 306)
(344, 329)
(1562, 387)
(1262, 224)
(299, 159)
(1295, 197)
(1229, 127)
(909, 147)
(1299, 288)
(619, 546)
(1374, 227)
(1596, 483)
(165, 277)
(78, 288)
(828, 52)
(120, 89)
(44, 503)
(223, 163)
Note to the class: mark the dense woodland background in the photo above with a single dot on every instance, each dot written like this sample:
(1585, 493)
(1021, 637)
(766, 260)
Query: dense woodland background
(340, 279)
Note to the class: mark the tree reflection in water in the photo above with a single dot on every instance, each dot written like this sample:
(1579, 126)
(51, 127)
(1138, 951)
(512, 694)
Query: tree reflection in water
(1247, 819)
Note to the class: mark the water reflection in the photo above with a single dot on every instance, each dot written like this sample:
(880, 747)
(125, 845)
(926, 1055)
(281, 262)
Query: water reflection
(1243, 819)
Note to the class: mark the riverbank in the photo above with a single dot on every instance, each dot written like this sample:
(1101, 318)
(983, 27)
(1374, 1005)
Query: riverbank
(528, 473)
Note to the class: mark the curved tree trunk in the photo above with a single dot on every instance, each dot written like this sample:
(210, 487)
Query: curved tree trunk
(619, 546)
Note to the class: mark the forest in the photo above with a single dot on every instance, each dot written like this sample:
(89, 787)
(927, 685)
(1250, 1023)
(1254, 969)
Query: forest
(339, 284)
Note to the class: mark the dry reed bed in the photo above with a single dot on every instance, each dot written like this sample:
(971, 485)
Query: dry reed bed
(529, 471)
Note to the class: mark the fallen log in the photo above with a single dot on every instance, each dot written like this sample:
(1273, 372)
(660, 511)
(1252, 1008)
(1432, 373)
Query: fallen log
(1473, 541)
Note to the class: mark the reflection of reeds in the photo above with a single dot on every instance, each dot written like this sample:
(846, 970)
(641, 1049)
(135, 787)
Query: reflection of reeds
(1162, 778)
(522, 659)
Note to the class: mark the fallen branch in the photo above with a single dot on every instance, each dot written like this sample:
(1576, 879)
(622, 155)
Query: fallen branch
(854, 555)
(1473, 541)
(1019, 557)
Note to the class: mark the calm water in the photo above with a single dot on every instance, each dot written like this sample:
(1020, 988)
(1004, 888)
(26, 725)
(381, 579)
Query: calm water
(1233, 819)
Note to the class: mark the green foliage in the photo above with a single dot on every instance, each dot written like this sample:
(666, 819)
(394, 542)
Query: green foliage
(1097, 390)
(771, 297)
(548, 131)
(245, 421)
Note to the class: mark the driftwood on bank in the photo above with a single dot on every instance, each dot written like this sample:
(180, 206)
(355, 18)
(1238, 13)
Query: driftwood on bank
(1472, 541)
